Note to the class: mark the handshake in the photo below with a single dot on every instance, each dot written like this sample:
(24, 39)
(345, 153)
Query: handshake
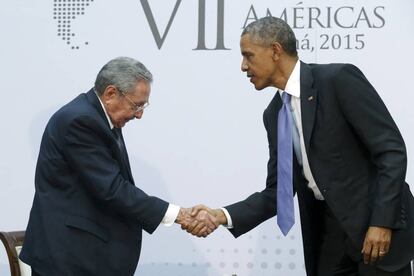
(200, 220)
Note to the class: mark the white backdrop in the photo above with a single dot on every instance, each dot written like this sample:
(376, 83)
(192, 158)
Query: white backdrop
(202, 139)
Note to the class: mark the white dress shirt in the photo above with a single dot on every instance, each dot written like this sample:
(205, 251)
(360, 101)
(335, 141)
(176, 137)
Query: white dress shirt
(173, 210)
(293, 88)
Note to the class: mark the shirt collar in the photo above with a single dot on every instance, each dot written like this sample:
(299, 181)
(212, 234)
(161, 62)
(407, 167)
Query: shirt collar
(106, 113)
(293, 83)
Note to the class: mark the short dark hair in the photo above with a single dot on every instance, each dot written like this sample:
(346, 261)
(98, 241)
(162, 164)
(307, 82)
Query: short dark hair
(271, 29)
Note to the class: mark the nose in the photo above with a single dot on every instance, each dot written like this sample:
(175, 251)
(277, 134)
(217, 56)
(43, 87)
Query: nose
(138, 114)
(244, 66)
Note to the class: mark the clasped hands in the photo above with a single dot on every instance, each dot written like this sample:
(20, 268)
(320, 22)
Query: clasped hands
(200, 220)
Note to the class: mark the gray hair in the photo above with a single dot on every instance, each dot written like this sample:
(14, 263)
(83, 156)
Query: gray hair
(122, 72)
(268, 30)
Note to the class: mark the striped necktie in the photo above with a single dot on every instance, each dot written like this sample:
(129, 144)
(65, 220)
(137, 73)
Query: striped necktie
(285, 209)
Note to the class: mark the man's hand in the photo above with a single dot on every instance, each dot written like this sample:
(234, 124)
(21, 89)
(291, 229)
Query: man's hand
(199, 224)
(217, 213)
(376, 244)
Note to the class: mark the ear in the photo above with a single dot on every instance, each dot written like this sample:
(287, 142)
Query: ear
(277, 50)
(110, 93)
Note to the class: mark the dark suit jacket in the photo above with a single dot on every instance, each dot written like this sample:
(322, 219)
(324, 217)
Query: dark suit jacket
(357, 157)
(87, 215)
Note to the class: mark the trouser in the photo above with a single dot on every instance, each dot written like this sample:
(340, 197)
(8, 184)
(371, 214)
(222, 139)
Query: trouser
(339, 257)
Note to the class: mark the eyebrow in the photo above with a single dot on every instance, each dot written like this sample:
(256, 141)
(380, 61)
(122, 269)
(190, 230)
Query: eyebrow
(245, 53)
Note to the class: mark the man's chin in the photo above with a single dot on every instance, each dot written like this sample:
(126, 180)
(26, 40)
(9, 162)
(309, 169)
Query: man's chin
(259, 87)
(120, 125)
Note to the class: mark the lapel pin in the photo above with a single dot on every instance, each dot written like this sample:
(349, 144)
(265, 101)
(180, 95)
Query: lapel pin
(310, 98)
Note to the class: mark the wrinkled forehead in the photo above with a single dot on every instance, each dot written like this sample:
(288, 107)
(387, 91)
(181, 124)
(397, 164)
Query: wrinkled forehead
(142, 88)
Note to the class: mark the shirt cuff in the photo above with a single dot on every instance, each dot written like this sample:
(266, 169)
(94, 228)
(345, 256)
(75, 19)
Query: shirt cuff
(229, 221)
(171, 215)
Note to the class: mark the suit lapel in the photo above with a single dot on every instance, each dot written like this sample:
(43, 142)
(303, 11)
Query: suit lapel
(308, 97)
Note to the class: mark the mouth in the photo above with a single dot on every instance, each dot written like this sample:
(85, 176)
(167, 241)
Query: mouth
(251, 76)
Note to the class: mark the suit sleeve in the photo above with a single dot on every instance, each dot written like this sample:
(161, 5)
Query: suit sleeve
(259, 206)
(370, 119)
(90, 156)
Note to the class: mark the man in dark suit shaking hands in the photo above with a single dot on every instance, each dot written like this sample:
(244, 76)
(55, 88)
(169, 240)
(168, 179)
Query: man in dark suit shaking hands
(87, 215)
(334, 143)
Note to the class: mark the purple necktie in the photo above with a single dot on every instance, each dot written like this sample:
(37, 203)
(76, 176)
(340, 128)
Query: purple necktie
(285, 209)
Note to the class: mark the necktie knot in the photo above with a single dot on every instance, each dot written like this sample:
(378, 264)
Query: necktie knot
(285, 98)
(117, 134)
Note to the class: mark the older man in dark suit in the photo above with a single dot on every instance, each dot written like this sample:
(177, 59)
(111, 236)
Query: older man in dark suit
(87, 215)
(334, 143)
